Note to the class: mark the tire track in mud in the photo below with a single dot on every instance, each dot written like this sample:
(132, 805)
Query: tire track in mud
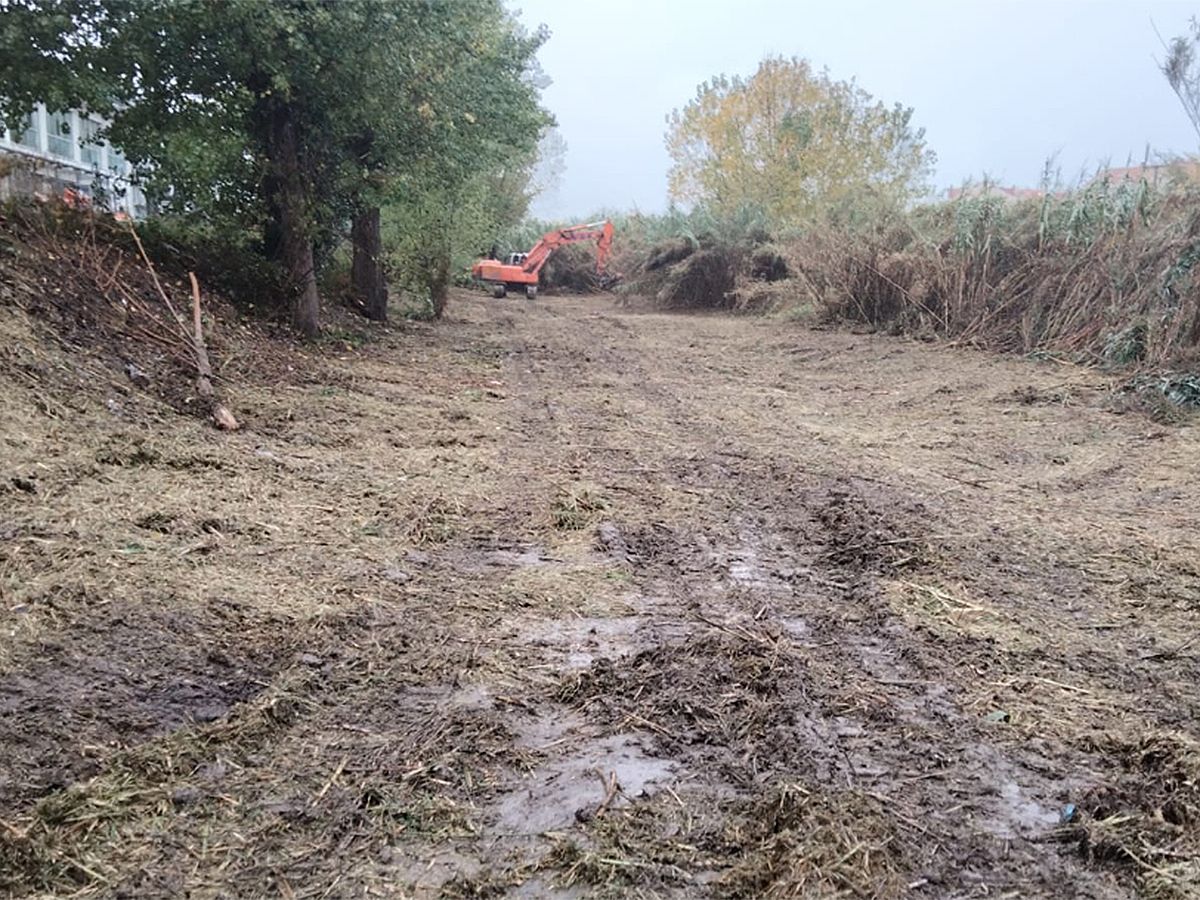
(568, 546)
(862, 706)
(761, 653)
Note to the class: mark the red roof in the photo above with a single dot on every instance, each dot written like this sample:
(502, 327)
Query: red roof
(1186, 170)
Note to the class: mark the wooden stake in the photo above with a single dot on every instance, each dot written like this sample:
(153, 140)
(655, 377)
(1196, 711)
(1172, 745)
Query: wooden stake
(203, 366)
(223, 418)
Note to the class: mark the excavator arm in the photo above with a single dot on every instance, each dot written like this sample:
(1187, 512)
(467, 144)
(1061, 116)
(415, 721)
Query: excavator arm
(600, 232)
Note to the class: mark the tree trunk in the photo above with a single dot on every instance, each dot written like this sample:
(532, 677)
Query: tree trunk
(439, 284)
(366, 272)
(295, 233)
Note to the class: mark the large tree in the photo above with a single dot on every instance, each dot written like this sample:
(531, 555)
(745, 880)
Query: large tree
(285, 117)
(483, 129)
(793, 144)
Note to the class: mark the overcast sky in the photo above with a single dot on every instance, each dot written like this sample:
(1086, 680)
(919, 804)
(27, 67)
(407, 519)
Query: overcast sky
(998, 85)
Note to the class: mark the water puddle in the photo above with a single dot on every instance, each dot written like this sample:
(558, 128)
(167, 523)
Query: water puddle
(582, 641)
(565, 791)
(1010, 810)
(746, 569)
(1024, 812)
(476, 561)
(794, 625)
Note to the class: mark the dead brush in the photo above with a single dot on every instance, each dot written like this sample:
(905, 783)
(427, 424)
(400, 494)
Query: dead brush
(702, 280)
(781, 841)
(690, 274)
(575, 508)
(1105, 274)
(653, 844)
(113, 299)
(721, 689)
(1147, 818)
(766, 296)
(797, 842)
(872, 533)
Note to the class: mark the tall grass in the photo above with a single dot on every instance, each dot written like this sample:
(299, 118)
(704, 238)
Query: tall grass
(1104, 272)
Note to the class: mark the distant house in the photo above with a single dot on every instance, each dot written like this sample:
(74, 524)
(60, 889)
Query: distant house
(58, 154)
(1156, 175)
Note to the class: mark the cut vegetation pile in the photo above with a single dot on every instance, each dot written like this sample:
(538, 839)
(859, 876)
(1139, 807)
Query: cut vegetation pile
(1148, 817)
(703, 280)
(711, 273)
(713, 691)
(571, 269)
(791, 841)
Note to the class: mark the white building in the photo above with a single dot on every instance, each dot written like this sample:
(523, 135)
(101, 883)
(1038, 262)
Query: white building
(57, 152)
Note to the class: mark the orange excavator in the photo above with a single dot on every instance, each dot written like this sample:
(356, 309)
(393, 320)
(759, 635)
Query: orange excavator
(521, 270)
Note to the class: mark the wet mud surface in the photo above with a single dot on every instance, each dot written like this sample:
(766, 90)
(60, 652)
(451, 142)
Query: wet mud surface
(559, 600)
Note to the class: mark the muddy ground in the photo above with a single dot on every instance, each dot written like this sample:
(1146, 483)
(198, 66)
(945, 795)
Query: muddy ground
(561, 599)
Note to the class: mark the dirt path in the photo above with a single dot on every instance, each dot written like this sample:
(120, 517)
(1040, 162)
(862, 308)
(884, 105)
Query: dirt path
(556, 599)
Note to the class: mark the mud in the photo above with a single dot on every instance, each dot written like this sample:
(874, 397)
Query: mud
(560, 600)
(110, 686)
(570, 790)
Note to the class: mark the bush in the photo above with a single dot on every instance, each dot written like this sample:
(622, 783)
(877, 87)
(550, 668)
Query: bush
(231, 264)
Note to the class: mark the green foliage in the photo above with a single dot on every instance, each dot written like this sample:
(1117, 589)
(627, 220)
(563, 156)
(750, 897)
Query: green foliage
(435, 230)
(1169, 398)
(1126, 345)
(446, 208)
(274, 122)
(227, 263)
(795, 146)
(1182, 389)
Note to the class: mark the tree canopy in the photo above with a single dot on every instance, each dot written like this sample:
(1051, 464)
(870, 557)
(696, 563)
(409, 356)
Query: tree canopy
(285, 120)
(794, 144)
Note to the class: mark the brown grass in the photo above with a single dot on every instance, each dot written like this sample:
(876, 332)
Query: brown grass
(1089, 275)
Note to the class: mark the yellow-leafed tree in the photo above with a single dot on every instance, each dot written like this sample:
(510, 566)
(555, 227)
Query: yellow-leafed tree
(794, 145)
